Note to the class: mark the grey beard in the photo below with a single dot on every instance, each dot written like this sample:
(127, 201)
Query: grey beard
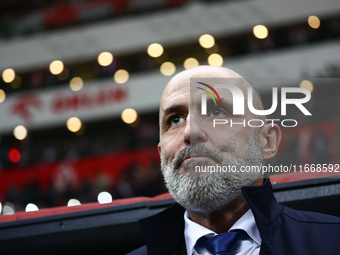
(205, 192)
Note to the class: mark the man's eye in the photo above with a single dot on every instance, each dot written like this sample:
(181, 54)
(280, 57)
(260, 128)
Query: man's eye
(176, 119)
(217, 112)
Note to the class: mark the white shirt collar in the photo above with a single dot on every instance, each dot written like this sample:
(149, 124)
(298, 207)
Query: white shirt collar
(194, 231)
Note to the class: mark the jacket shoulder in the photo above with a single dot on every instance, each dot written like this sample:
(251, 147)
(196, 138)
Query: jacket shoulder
(140, 251)
(310, 217)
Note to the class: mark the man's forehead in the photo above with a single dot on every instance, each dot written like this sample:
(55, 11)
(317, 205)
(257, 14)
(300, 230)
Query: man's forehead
(175, 97)
(174, 89)
(181, 88)
(181, 83)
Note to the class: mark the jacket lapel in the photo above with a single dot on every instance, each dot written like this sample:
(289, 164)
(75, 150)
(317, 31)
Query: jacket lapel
(266, 209)
(164, 232)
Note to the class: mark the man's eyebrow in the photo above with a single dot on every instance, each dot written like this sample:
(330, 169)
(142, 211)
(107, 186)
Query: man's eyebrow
(175, 108)
(211, 103)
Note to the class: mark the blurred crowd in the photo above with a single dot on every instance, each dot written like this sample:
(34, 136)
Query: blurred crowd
(226, 46)
(316, 143)
(108, 137)
(316, 140)
(135, 181)
(24, 17)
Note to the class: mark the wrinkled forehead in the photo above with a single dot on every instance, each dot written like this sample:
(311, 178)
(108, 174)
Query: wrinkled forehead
(175, 90)
(194, 87)
(219, 86)
(186, 83)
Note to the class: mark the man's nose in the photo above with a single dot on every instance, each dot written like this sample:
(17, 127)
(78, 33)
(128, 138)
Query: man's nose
(194, 130)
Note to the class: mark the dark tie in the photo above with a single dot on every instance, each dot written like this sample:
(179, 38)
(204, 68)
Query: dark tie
(221, 244)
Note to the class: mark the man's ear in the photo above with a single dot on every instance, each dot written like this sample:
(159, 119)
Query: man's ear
(270, 138)
(159, 148)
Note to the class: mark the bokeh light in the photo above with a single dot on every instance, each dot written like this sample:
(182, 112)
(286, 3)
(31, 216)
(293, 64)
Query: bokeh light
(56, 67)
(129, 115)
(167, 68)
(155, 50)
(260, 32)
(306, 84)
(121, 76)
(105, 58)
(8, 208)
(8, 75)
(190, 63)
(206, 41)
(74, 124)
(76, 84)
(30, 207)
(81, 131)
(20, 132)
(14, 155)
(2, 96)
(104, 197)
(215, 60)
(73, 202)
(314, 22)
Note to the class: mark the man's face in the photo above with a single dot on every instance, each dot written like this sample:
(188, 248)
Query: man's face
(182, 124)
(188, 139)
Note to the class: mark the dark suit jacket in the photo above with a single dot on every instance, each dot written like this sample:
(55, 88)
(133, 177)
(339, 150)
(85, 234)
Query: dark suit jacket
(284, 231)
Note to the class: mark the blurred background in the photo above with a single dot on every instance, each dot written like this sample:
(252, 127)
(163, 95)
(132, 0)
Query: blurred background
(82, 79)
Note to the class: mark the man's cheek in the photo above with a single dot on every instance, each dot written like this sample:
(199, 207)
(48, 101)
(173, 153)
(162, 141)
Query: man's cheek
(166, 153)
